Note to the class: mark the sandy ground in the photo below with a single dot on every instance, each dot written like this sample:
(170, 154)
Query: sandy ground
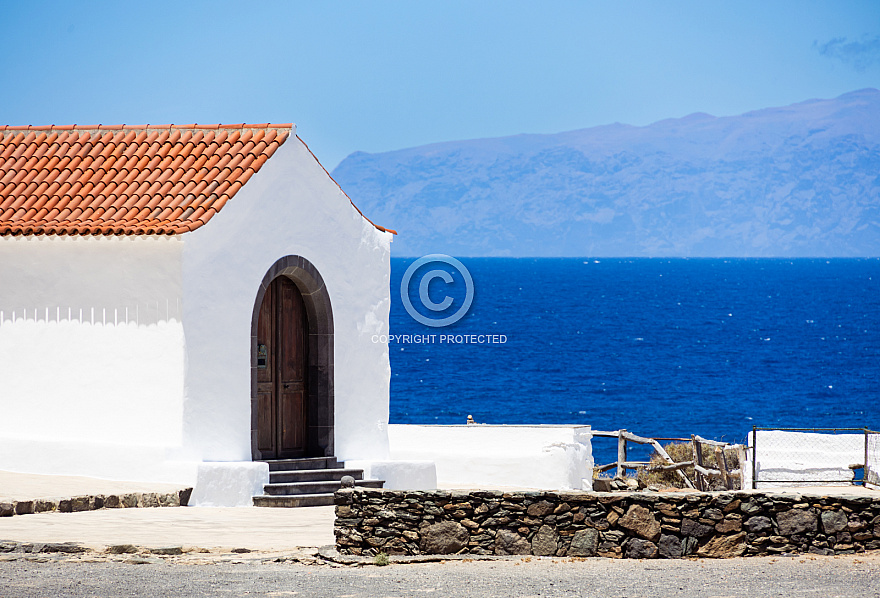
(250, 576)
(263, 529)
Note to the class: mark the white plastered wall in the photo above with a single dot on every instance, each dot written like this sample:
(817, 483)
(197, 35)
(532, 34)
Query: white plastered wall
(92, 356)
(291, 207)
(543, 457)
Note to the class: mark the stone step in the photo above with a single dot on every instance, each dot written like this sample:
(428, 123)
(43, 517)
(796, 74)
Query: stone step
(318, 487)
(313, 475)
(298, 464)
(301, 500)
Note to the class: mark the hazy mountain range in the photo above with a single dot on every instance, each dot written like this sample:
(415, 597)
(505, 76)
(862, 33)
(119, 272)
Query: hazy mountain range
(801, 180)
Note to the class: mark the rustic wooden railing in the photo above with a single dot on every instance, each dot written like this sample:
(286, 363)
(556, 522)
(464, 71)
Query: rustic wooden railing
(702, 474)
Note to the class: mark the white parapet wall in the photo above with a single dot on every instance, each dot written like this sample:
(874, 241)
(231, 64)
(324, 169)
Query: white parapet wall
(804, 458)
(399, 475)
(545, 457)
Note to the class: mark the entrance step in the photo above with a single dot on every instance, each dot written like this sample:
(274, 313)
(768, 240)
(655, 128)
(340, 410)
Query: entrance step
(321, 487)
(312, 475)
(307, 482)
(308, 463)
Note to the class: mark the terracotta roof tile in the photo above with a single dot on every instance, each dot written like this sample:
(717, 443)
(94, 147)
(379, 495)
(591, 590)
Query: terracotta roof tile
(110, 179)
(126, 179)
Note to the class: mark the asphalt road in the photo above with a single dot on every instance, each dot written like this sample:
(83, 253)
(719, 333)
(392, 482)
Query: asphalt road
(821, 577)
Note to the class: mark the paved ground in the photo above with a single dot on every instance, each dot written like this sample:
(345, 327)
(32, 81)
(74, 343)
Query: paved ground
(76, 577)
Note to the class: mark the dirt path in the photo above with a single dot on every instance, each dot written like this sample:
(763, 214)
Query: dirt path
(275, 574)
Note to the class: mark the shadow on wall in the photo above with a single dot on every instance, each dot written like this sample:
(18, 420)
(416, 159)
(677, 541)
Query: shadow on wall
(147, 313)
(91, 340)
(106, 281)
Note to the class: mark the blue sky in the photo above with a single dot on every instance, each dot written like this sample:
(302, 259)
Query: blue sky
(377, 76)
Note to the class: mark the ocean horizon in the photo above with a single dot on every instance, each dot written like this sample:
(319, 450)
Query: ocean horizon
(662, 347)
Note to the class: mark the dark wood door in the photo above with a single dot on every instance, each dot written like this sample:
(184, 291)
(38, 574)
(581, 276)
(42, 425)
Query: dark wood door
(282, 359)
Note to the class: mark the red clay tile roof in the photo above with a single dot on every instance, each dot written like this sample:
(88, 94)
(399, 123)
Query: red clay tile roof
(124, 180)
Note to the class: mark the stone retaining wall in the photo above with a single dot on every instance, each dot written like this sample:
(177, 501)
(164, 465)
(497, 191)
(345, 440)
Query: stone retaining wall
(616, 525)
(95, 501)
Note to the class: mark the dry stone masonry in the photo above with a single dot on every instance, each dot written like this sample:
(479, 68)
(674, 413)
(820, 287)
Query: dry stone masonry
(94, 502)
(585, 524)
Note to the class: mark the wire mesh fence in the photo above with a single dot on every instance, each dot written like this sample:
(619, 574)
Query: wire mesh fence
(814, 456)
(872, 459)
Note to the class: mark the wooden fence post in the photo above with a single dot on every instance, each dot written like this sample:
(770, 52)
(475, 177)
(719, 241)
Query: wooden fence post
(621, 454)
(721, 460)
(699, 478)
(741, 457)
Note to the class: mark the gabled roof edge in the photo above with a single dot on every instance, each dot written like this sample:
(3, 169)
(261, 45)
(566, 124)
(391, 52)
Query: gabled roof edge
(381, 228)
(148, 128)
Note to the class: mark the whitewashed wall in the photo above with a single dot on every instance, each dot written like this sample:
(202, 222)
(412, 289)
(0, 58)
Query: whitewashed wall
(91, 354)
(479, 456)
(291, 207)
(399, 475)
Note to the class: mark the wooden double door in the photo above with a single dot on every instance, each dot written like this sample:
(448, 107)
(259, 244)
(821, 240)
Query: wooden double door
(282, 372)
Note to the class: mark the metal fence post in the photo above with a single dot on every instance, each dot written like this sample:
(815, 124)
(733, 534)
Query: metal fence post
(754, 457)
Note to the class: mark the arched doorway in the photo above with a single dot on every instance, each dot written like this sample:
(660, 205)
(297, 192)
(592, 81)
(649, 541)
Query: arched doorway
(292, 364)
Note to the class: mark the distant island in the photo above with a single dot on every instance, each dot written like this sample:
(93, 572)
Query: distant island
(796, 181)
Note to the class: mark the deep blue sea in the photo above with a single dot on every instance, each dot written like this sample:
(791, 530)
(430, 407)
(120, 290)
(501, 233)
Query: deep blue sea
(661, 347)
